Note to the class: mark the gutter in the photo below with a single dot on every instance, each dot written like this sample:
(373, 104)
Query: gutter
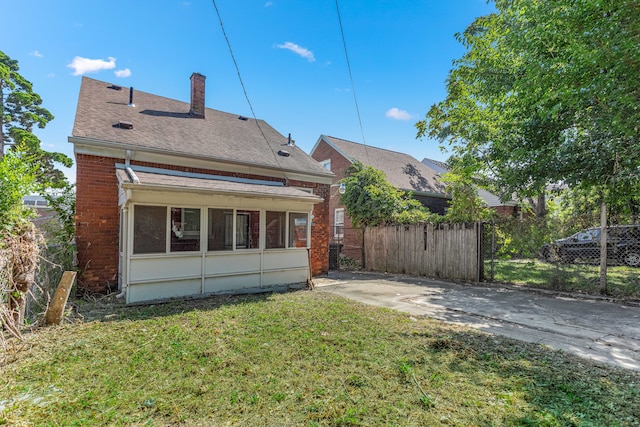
(140, 149)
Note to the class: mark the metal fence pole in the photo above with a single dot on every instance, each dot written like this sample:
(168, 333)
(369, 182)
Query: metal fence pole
(363, 250)
(493, 247)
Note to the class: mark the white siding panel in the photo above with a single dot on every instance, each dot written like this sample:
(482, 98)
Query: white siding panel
(231, 263)
(289, 258)
(231, 283)
(163, 290)
(284, 277)
(165, 267)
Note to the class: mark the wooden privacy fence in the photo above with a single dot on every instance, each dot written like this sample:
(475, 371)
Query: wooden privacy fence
(444, 251)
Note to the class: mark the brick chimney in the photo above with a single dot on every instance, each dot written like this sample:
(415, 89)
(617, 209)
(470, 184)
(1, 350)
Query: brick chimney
(197, 95)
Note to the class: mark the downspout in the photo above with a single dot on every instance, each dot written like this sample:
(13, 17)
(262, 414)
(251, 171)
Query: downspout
(310, 283)
(124, 235)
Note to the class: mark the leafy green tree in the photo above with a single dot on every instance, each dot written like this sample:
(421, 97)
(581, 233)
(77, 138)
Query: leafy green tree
(21, 110)
(465, 205)
(17, 180)
(369, 199)
(18, 239)
(547, 92)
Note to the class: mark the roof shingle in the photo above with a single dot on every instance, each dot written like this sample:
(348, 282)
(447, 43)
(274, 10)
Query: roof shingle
(165, 125)
(402, 170)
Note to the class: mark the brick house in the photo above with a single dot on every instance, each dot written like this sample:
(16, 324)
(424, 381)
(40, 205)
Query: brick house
(174, 199)
(402, 171)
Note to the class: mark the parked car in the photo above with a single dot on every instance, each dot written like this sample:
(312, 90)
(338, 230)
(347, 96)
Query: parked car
(623, 246)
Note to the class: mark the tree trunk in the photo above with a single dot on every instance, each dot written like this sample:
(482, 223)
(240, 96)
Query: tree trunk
(540, 205)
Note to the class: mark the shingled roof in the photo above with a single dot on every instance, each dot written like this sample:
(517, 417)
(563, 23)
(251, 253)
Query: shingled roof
(166, 126)
(183, 183)
(489, 198)
(402, 170)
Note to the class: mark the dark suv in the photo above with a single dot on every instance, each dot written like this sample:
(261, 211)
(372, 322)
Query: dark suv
(623, 246)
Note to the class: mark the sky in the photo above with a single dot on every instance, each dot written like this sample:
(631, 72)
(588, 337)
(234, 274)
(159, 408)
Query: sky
(290, 55)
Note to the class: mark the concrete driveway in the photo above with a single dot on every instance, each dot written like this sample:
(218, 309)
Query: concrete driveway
(588, 327)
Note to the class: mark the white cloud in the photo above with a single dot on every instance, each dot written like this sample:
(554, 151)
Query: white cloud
(36, 54)
(269, 3)
(82, 65)
(123, 73)
(298, 50)
(397, 114)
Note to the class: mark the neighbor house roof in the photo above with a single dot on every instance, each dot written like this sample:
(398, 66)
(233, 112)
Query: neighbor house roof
(402, 170)
(489, 198)
(165, 126)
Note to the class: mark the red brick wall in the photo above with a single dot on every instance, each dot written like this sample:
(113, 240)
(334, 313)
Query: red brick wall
(506, 210)
(320, 233)
(97, 222)
(338, 163)
(97, 219)
(352, 238)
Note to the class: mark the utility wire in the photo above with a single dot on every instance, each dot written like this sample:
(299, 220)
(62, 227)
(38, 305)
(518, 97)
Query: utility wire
(241, 82)
(353, 88)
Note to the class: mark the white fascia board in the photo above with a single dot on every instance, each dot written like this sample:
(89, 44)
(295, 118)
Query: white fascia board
(309, 198)
(107, 149)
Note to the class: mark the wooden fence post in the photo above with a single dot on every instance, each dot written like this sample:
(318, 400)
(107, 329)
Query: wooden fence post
(55, 312)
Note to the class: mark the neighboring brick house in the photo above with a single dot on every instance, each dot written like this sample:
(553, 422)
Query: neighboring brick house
(174, 199)
(507, 208)
(402, 171)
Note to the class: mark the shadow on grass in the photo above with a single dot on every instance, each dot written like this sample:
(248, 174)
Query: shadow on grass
(303, 358)
(111, 309)
(559, 389)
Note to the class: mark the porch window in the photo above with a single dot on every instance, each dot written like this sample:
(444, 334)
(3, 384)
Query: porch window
(185, 229)
(222, 230)
(276, 228)
(149, 229)
(298, 230)
(247, 229)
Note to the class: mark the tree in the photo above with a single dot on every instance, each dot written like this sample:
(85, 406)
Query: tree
(546, 92)
(19, 239)
(24, 169)
(369, 199)
(21, 110)
(465, 205)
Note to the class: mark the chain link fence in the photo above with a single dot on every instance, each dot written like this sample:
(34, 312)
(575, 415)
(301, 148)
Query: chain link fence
(548, 255)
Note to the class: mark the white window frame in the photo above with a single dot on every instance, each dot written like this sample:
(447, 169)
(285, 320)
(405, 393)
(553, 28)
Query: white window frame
(337, 224)
(326, 164)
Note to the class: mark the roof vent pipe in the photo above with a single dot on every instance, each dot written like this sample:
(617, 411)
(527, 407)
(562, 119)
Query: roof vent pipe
(291, 141)
(131, 104)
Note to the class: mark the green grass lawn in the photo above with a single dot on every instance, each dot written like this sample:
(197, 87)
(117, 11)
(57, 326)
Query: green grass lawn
(622, 281)
(298, 359)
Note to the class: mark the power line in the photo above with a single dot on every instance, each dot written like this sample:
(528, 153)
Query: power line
(241, 82)
(353, 88)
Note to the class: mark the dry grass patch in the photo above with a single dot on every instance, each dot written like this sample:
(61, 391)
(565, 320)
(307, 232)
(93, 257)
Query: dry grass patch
(299, 358)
